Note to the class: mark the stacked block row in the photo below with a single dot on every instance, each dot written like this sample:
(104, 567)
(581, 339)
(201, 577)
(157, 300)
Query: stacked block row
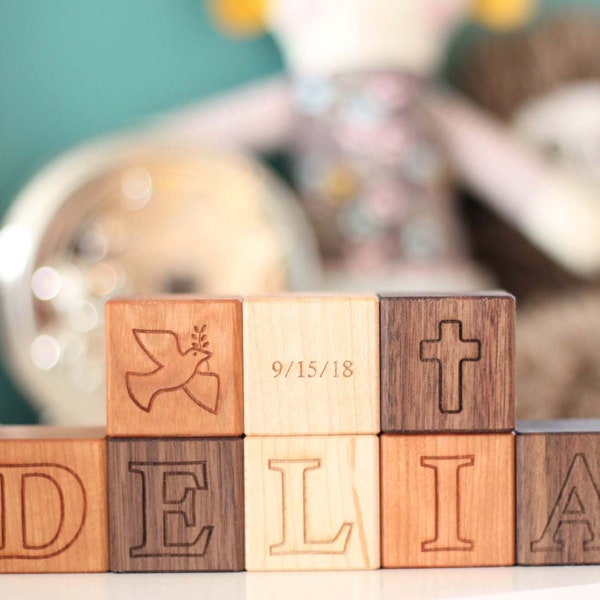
(378, 432)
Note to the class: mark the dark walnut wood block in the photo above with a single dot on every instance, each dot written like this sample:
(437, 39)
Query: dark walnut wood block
(176, 504)
(447, 500)
(558, 493)
(447, 363)
(53, 511)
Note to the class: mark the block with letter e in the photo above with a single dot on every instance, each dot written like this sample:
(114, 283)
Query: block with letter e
(53, 500)
(558, 492)
(176, 504)
(447, 500)
(447, 363)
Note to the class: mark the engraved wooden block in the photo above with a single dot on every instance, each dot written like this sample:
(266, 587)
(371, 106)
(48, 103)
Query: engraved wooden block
(447, 500)
(53, 500)
(447, 363)
(176, 504)
(311, 365)
(312, 503)
(558, 492)
(174, 367)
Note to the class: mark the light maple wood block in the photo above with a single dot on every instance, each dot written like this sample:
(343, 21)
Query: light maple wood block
(53, 500)
(558, 492)
(176, 504)
(311, 365)
(447, 500)
(312, 503)
(174, 367)
(447, 363)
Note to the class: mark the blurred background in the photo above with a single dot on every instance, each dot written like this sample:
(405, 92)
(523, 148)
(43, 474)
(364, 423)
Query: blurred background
(259, 146)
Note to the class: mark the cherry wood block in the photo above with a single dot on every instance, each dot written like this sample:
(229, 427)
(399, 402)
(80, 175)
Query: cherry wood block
(53, 500)
(311, 365)
(447, 363)
(447, 500)
(558, 493)
(174, 367)
(176, 504)
(312, 503)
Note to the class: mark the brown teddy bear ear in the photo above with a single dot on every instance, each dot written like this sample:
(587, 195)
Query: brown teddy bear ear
(504, 14)
(240, 18)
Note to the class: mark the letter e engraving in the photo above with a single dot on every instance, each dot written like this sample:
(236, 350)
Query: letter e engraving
(447, 503)
(578, 504)
(37, 522)
(171, 524)
(296, 538)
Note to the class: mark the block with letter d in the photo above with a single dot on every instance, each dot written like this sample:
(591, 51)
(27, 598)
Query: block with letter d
(53, 500)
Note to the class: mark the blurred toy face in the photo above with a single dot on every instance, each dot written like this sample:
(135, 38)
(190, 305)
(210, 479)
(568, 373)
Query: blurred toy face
(407, 33)
(565, 124)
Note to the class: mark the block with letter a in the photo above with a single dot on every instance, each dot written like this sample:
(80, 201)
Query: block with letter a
(176, 504)
(447, 500)
(53, 500)
(312, 503)
(558, 492)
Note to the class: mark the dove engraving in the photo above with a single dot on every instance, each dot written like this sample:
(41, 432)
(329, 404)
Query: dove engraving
(176, 369)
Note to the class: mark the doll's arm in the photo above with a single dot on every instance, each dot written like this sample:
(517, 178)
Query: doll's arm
(554, 208)
(256, 117)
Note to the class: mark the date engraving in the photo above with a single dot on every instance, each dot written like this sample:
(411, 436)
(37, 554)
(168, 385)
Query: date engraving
(311, 369)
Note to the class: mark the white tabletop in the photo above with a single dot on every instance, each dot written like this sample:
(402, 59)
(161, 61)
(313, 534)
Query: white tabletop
(513, 583)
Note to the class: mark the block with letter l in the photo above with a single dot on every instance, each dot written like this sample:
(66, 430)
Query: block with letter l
(558, 492)
(176, 504)
(53, 511)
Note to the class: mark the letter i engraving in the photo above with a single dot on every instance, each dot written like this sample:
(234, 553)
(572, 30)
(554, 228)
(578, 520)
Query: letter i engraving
(447, 503)
(296, 539)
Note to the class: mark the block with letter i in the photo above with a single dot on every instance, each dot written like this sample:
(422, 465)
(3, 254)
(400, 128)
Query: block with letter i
(311, 387)
(53, 500)
(175, 419)
(558, 492)
(447, 363)
(447, 500)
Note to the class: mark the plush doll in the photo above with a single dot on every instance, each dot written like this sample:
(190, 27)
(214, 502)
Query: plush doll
(370, 169)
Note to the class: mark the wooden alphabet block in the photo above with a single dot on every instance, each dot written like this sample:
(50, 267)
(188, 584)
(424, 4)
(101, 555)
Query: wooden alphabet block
(53, 500)
(174, 367)
(176, 504)
(558, 492)
(312, 503)
(311, 365)
(447, 500)
(447, 363)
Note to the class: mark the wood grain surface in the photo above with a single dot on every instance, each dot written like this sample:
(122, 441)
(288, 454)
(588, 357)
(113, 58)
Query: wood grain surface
(174, 367)
(447, 500)
(447, 363)
(53, 500)
(558, 497)
(176, 504)
(312, 503)
(311, 365)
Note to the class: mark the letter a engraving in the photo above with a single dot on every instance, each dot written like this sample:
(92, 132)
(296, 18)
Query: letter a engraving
(447, 503)
(170, 522)
(578, 504)
(60, 523)
(296, 537)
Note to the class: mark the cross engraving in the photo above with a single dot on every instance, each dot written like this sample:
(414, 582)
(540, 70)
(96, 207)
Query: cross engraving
(450, 351)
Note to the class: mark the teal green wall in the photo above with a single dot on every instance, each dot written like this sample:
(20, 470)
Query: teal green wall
(74, 69)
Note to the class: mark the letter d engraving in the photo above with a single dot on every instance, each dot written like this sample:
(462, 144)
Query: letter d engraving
(43, 510)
